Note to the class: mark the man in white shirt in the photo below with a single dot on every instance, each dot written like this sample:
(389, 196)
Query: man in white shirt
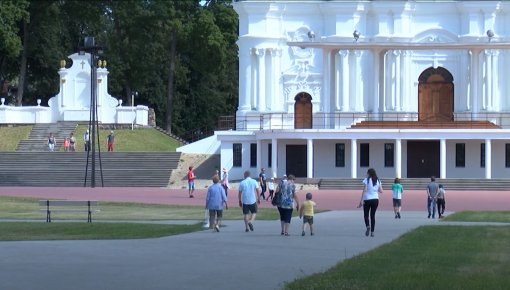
(249, 197)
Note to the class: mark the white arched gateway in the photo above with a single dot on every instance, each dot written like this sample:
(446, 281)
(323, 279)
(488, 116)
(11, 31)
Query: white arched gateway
(412, 88)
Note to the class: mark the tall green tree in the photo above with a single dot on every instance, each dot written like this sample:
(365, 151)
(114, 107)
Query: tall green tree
(12, 12)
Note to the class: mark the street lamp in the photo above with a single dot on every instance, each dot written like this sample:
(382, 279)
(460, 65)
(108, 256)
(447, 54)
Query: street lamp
(89, 45)
(133, 95)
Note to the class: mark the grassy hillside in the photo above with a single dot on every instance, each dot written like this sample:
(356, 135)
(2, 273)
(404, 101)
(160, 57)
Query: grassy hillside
(126, 140)
(10, 136)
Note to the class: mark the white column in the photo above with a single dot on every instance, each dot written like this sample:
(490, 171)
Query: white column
(376, 81)
(259, 155)
(442, 158)
(488, 159)
(276, 98)
(309, 158)
(261, 77)
(475, 72)
(389, 94)
(338, 82)
(495, 95)
(254, 89)
(398, 158)
(354, 158)
(359, 90)
(274, 157)
(406, 80)
(244, 79)
(488, 80)
(344, 83)
(398, 81)
(326, 103)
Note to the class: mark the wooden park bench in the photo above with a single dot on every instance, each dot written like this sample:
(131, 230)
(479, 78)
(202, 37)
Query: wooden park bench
(87, 206)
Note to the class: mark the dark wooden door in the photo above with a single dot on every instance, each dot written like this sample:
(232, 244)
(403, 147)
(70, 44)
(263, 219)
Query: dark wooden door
(303, 111)
(435, 102)
(422, 159)
(296, 158)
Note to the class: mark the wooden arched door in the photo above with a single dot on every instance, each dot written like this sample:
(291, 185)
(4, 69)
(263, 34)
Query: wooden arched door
(435, 95)
(303, 111)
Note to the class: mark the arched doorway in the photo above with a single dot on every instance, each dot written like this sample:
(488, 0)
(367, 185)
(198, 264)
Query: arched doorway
(435, 95)
(303, 111)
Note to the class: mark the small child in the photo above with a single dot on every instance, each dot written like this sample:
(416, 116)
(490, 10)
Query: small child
(66, 144)
(306, 212)
(397, 189)
(440, 201)
(270, 186)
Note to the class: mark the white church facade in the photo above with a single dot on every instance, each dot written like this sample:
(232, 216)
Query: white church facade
(72, 103)
(410, 88)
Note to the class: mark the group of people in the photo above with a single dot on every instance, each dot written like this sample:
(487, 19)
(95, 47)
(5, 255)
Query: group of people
(249, 197)
(251, 191)
(370, 199)
(70, 142)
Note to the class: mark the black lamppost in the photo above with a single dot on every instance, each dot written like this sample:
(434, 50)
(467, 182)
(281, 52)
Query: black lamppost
(90, 46)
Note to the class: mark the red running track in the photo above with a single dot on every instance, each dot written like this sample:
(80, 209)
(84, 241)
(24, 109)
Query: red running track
(413, 200)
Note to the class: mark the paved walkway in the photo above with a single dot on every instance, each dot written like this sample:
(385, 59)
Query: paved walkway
(231, 259)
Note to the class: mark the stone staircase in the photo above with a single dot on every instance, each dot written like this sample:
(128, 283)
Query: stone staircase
(38, 138)
(420, 183)
(61, 169)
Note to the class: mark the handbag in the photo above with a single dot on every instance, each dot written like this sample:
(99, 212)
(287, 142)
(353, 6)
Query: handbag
(277, 199)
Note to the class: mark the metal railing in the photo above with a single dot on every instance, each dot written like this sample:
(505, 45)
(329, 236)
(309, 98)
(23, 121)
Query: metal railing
(340, 120)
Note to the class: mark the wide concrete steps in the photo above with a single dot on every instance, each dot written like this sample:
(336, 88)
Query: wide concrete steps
(38, 138)
(420, 183)
(119, 169)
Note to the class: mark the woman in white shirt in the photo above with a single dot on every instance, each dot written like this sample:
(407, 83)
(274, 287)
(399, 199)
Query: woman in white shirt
(370, 199)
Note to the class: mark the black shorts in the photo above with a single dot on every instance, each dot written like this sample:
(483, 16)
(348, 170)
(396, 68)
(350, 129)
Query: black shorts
(285, 214)
(397, 202)
(308, 219)
(249, 208)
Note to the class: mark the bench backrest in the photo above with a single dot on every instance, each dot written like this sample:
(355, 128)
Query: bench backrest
(91, 203)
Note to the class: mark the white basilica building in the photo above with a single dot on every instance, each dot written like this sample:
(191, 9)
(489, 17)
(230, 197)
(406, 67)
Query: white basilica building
(410, 88)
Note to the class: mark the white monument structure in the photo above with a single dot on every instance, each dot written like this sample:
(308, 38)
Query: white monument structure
(72, 103)
(410, 88)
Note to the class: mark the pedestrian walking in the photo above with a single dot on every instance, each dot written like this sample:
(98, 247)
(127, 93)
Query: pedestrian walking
(397, 190)
(110, 140)
(306, 213)
(270, 187)
(441, 202)
(262, 181)
(214, 201)
(288, 199)
(86, 140)
(370, 199)
(224, 181)
(249, 197)
(191, 182)
(432, 189)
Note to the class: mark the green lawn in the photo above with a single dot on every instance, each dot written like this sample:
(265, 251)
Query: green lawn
(127, 140)
(480, 216)
(430, 257)
(28, 231)
(28, 209)
(106, 223)
(10, 136)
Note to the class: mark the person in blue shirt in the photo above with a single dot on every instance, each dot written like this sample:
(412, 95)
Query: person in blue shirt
(214, 201)
(249, 197)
